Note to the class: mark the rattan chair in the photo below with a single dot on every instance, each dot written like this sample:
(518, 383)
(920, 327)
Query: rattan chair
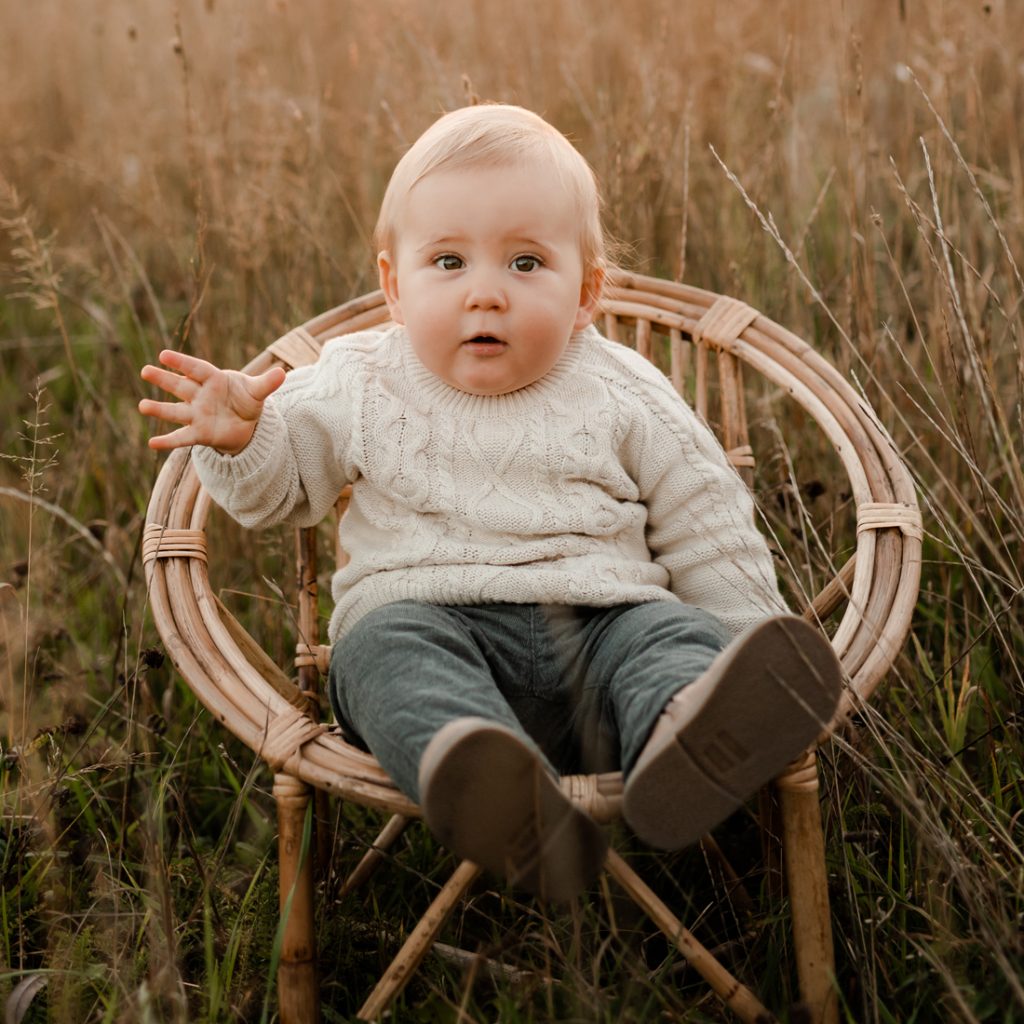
(686, 331)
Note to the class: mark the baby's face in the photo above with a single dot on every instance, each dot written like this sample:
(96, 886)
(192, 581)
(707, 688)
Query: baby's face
(487, 276)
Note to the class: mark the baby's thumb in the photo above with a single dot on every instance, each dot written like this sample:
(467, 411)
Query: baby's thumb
(267, 383)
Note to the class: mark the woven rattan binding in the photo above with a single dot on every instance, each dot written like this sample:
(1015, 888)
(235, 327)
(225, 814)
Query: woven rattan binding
(162, 542)
(286, 733)
(724, 322)
(885, 515)
(297, 348)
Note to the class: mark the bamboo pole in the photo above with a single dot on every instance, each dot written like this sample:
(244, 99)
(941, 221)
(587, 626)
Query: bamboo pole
(734, 413)
(411, 955)
(309, 675)
(297, 988)
(373, 857)
(611, 327)
(804, 853)
(701, 383)
(643, 338)
(736, 996)
(680, 358)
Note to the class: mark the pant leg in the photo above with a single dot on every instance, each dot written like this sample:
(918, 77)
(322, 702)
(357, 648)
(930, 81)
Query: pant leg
(638, 657)
(402, 672)
(533, 653)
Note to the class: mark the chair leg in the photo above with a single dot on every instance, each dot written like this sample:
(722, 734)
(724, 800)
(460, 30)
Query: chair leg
(803, 845)
(419, 942)
(373, 857)
(297, 989)
(736, 996)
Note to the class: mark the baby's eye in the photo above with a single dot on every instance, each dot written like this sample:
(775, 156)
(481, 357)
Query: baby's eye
(449, 261)
(526, 264)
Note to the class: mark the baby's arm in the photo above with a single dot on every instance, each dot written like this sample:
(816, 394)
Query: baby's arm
(701, 527)
(217, 408)
(269, 449)
(700, 516)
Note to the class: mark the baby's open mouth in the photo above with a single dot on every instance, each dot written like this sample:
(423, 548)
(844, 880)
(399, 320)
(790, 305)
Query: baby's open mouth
(485, 342)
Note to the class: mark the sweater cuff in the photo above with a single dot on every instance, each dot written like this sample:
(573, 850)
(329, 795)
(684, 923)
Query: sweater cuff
(230, 470)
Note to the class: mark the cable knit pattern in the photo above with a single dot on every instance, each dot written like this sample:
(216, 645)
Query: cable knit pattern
(596, 485)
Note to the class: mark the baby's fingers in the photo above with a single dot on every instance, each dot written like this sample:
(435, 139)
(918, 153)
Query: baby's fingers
(261, 387)
(198, 369)
(170, 412)
(180, 438)
(181, 387)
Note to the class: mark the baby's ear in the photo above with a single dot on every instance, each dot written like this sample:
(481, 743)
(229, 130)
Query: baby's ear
(590, 297)
(388, 273)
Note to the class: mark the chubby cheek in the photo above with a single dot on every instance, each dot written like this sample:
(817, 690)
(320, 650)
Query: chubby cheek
(429, 344)
(430, 330)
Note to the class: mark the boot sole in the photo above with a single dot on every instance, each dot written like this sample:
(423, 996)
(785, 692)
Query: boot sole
(488, 797)
(769, 696)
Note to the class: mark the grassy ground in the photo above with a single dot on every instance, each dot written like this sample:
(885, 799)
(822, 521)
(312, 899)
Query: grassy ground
(207, 174)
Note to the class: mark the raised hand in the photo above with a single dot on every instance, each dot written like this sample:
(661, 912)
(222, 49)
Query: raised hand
(218, 408)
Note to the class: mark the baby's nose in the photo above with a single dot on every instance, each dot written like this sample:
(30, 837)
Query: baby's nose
(485, 292)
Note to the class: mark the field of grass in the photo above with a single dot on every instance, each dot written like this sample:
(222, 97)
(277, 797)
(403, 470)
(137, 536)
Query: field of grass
(205, 174)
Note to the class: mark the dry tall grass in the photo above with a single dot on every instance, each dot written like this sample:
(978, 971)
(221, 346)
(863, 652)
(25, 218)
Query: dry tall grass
(207, 174)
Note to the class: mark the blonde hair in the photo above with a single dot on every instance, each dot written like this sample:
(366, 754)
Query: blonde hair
(496, 135)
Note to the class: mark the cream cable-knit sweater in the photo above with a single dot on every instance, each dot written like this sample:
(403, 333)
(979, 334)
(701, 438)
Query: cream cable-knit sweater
(596, 485)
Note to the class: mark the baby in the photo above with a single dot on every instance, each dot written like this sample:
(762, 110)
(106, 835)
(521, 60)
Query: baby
(554, 568)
